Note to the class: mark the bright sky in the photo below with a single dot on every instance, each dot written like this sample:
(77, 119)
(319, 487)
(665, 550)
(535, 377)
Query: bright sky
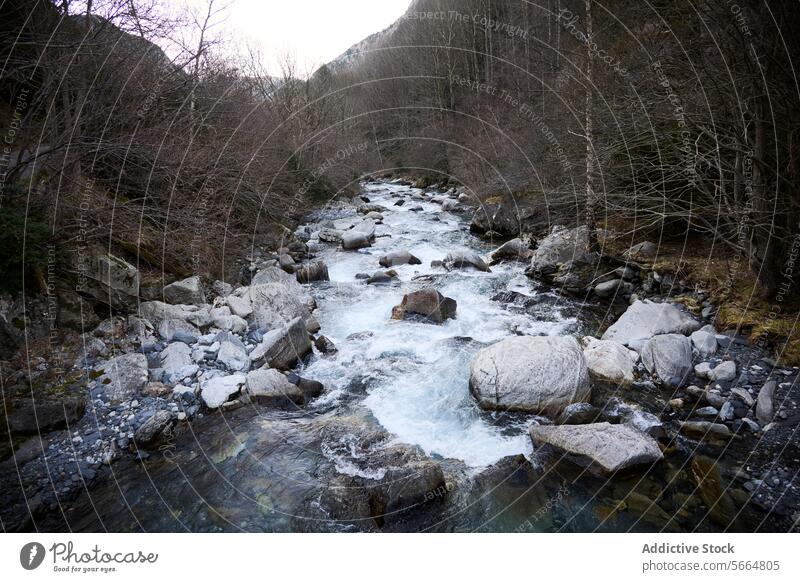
(312, 31)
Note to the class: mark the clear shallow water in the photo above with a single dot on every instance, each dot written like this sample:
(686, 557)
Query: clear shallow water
(417, 374)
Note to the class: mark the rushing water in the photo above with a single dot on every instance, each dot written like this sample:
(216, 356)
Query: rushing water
(417, 379)
(391, 388)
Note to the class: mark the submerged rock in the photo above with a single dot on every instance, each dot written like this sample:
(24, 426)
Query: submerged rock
(530, 374)
(603, 447)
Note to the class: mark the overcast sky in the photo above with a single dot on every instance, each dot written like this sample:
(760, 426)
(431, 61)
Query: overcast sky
(312, 31)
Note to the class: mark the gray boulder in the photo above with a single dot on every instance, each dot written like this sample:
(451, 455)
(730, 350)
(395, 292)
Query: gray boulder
(502, 218)
(186, 292)
(123, 377)
(530, 374)
(669, 357)
(602, 447)
(704, 342)
(513, 250)
(645, 319)
(464, 258)
(644, 249)
(560, 246)
(610, 362)
(271, 388)
(276, 304)
(398, 258)
(282, 348)
(108, 278)
(353, 240)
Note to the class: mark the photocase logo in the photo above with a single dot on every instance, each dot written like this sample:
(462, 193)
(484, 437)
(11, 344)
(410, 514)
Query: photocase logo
(31, 555)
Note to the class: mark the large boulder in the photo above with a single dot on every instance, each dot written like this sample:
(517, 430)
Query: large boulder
(276, 304)
(560, 246)
(123, 377)
(513, 250)
(107, 278)
(271, 388)
(282, 348)
(428, 304)
(501, 218)
(217, 390)
(645, 319)
(530, 374)
(240, 305)
(669, 357)
(398, 258)
(186, 292)
(353, 240)
(604, 448)
(610, 362)
(463, 258)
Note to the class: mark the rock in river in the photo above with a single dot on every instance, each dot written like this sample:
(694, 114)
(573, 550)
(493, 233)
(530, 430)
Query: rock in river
(269, 387)
(463, 258)
(398, 258)
(354, 240)
(282, 348)
(603, 447)
(530, 374)
(428, 304)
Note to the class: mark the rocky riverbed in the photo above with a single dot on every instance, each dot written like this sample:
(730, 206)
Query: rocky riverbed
(387, 370)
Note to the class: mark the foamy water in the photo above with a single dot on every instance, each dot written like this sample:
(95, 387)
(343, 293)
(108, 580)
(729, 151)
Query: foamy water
(416, 374)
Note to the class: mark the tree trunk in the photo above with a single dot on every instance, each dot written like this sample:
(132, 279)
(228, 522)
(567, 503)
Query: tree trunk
(591, 219)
